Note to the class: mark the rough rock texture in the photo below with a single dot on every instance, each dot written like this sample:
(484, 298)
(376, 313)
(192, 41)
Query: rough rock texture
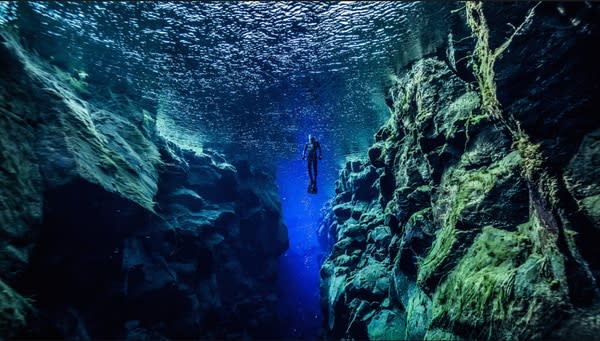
(441, 234)
(108, 231)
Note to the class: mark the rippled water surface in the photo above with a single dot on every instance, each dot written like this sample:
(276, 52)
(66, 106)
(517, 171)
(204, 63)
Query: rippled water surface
(255, 77)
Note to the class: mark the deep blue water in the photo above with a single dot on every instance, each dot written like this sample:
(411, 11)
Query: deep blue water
(299, 308)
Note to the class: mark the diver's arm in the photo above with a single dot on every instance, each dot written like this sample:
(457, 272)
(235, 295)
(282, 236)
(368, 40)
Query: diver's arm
(319, 148)
(304, 152)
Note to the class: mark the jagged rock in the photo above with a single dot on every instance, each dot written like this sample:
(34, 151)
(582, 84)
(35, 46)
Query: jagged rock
(342, 212)
(370, 281)
(328, 226)
(418, 314)
(120, 234)
(371, 218)
(354, 166)
(380, 236)
(487, 146)
(418, 235)
(331, 293)
(464, 193)
(440, 334)
(391, 221)
(386, 325)
(217, 182)
(51, 138)
(468, 247)
(352, 230)
(189, 199)
(362, 183)
(375, 154)
(386, 186)
(494, 195)
(581, 176)
(356, 214)
(383, 134)
(343, 197)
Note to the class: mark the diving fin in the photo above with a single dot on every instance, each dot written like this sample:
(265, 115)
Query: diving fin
(312, 188)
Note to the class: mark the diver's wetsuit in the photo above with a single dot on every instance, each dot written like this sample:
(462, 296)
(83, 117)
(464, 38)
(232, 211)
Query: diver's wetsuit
(311, 147)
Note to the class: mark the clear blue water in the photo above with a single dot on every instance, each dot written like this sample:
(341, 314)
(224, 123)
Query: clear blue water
(299, 308)
(252, 80)
(244, 75)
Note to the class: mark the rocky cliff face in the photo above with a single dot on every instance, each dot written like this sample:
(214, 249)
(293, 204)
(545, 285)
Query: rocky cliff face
(109, 231)
(451, 229)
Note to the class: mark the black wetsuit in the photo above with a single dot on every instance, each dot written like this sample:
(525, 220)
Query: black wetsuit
(311, 147)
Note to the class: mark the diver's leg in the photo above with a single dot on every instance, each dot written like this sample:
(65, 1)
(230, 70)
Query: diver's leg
(315, 168)
(310, 174)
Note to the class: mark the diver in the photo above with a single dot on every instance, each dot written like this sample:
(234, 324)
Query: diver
(310, 152)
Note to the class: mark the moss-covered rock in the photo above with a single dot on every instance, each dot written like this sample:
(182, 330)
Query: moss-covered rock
(485, 241)
(484, 296)
(467, 201)
(581, 176)
(396, 214)
(418, 314)
(386, 325)
(14, 309)
(116, 232)
(76, 138)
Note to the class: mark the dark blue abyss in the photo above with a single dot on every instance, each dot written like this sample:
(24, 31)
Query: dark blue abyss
(299, 309)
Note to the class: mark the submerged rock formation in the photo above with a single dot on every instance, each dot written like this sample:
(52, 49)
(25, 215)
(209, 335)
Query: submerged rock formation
(109, 231)
(451, 228)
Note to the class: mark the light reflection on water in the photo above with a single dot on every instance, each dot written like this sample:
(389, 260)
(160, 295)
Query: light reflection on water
(247, 76)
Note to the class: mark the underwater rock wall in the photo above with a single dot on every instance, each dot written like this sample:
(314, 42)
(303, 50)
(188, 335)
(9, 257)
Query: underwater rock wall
(108, 231)
(443, 233)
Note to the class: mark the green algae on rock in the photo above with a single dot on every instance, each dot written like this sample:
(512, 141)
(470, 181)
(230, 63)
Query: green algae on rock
(101, 216)
(485, 238)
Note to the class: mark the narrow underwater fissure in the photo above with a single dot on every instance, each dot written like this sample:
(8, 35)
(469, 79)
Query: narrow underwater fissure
(151, 185)
(299, 308)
